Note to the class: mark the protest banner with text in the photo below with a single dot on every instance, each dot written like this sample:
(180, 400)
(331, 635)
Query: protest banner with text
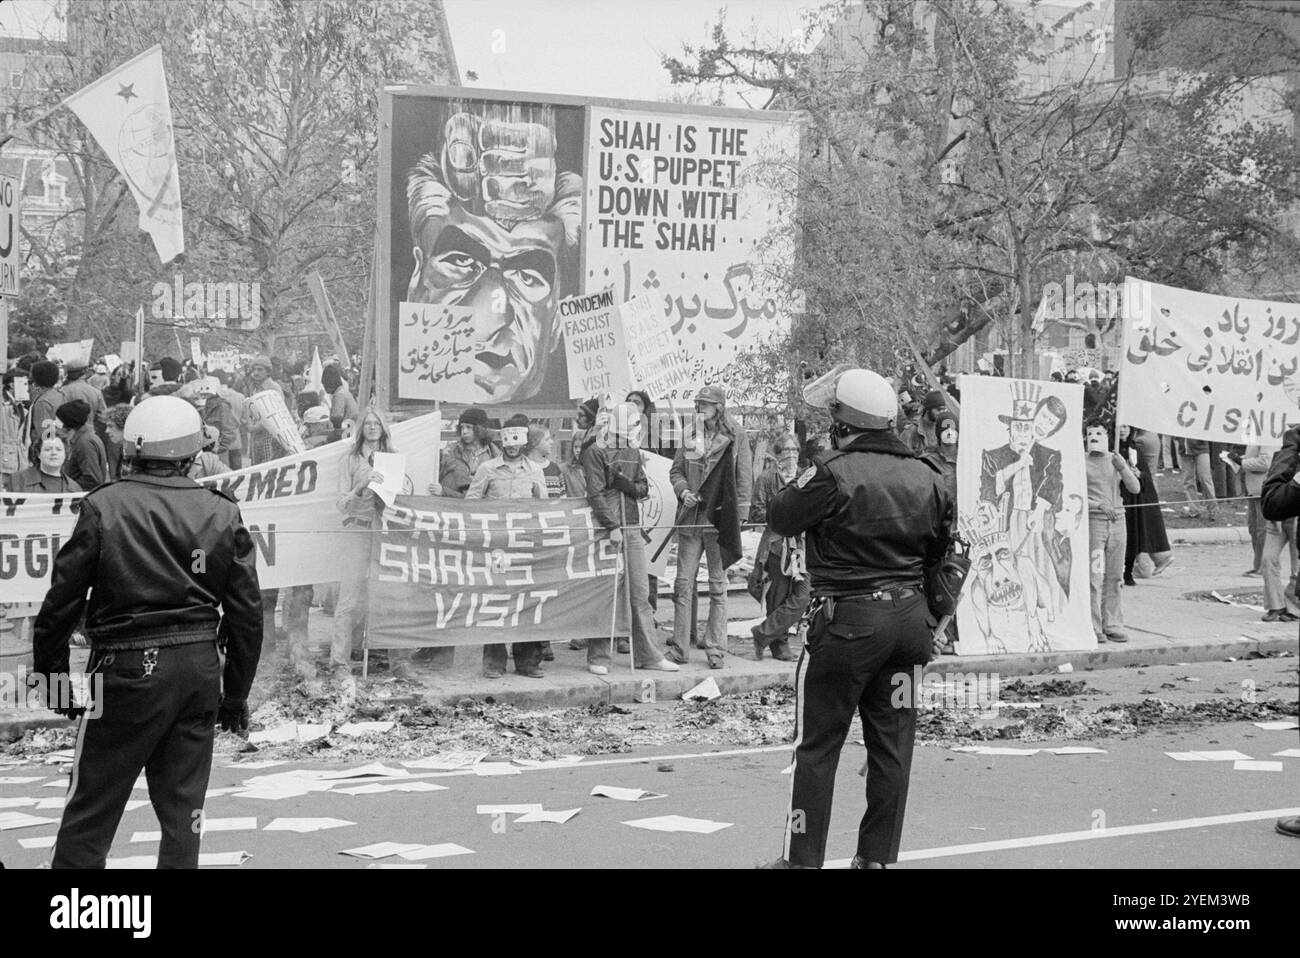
(1218, 368)
(595, 346)
(471, 572)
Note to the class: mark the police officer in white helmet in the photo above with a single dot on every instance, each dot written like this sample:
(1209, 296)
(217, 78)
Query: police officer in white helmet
(876, 517)
(171, 577)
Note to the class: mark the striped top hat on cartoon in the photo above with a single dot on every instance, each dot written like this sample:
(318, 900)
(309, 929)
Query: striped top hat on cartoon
(1024, 400)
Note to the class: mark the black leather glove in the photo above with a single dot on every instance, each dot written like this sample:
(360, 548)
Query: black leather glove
(56, 692)
(232, 715)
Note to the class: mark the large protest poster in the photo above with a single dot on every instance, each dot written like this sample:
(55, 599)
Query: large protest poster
(695, 210)
(1217, 368)
(1023, 507)
(472, 572)
(288, 506)
(506, 203)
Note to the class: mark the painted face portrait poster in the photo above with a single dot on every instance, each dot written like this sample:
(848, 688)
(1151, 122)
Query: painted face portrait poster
(1023, 508)
(496, 207)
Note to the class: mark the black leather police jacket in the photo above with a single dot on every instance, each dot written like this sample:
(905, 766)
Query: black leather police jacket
(876, 515)
(166, 562)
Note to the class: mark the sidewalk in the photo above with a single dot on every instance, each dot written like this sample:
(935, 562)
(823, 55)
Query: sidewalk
(1167, 623)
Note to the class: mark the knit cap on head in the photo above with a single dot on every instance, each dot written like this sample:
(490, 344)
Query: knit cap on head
(74, 413)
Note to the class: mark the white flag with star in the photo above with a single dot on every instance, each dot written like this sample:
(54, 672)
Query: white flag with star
(130, 115)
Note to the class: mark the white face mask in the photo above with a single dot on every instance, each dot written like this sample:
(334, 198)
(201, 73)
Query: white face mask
(1096, 443)
(948, 437)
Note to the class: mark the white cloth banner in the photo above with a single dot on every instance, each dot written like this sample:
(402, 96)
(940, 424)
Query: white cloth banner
(130, 115)
(288, 506)
(1209, 367)
(1022, 503)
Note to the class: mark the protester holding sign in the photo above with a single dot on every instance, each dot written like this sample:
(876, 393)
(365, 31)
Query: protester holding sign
(712, 477)
(358, 505)
(511, 475)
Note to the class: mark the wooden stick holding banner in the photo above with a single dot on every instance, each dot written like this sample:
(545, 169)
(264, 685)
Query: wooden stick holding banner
(372, 320)
(328, 322)
(930, 377)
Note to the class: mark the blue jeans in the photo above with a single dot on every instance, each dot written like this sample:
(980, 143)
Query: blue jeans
(636, 579)
(691, 543)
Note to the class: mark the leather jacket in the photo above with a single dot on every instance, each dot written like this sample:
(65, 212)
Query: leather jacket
(876, 516)
(167, 562)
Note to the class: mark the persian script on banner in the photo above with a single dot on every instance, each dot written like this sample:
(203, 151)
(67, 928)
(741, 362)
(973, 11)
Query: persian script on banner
(436, 345)
(472, 572)
(1022, 505)
(1210, 367)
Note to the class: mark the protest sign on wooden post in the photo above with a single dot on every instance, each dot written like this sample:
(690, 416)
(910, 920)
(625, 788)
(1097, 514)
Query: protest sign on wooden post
(595, 346)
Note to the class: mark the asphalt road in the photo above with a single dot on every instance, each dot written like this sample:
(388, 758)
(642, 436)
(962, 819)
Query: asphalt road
(1132, 807)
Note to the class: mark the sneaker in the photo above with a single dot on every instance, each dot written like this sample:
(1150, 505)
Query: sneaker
(493, 673)
(1116, 635)
(860, 862)
(1252, 572)
(577, 644)
(624, 646)
(1288, 826)
(1162, 566)
(548, 653)
(1279, 615)
(663, 665)
(716, 660)
(1288, 616)
(598, 669)
(674, 654)
(532, 672)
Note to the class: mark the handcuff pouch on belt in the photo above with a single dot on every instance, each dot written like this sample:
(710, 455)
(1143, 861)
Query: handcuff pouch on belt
(844, 620)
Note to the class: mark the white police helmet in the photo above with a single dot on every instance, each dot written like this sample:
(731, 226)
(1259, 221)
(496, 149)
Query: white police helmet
(162, 427)
(864, 400)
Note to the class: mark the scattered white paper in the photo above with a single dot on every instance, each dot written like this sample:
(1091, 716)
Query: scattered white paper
(20, 802)
(263, 763)
(1226, 755)
(1282, 726)
(788, 770)
(57, 783)
(9, 820)
(58, 801)
(1017, 705)
(1076, 750)
(373, 770)
(995, 750)
(447, 761)
(303, 825)
(1065, 667)
(679, 823)
(507, 809)
(289, 732)
(380, 850)
(274, 794)
(562, 762)
(557, 817)
(135, 803)
(421, 853)
(707, 691)
(357, 729)
(310, 733)
(63, 756)
(146, 837)
(22, 779)
(396, 865)
(495, 768)
(45, 842)
(374, 788)
(625, 794)
(222, 859)
(1254, 766)
(1186, 757)
(1287, 753)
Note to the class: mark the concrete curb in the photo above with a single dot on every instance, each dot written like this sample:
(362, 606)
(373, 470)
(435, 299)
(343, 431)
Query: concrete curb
(628, 689)
(1209, 535)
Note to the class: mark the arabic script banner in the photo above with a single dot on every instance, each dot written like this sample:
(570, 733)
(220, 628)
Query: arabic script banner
(1209, 367)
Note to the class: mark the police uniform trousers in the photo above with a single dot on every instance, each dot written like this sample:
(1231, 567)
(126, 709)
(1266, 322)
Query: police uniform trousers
(162, 722)
(852, 663)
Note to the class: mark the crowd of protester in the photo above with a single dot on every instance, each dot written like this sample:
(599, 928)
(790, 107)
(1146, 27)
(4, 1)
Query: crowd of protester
(68, 426)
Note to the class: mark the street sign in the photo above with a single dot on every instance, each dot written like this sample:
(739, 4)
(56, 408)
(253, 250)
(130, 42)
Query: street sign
(10, 219)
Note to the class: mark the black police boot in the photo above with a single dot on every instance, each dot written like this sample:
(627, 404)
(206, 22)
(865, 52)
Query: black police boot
(860, 862)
